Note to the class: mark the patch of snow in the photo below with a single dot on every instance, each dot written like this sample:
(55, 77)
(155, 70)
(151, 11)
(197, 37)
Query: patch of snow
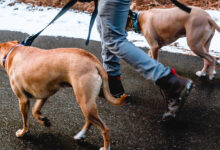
(27, 19)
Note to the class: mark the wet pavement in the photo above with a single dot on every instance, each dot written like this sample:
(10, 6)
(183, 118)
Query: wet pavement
(135, 126)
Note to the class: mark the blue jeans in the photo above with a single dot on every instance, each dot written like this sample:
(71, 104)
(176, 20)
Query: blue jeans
(111, 23)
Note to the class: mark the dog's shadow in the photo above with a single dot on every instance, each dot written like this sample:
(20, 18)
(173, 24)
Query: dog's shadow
(210, 87)
(51, 141)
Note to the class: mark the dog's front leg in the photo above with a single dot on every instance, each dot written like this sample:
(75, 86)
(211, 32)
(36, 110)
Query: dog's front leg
(150, 53)
(150, 36)
(24, 105)
(154, 48)
(154, 52)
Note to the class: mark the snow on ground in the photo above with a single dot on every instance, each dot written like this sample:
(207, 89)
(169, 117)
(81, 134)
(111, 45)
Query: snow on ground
(28, 19)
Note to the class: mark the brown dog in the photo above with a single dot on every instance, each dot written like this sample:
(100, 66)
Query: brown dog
(161, 27)
(37, 73)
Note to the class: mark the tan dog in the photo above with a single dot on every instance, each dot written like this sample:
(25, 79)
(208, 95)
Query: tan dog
(37, 73)
(161, 27)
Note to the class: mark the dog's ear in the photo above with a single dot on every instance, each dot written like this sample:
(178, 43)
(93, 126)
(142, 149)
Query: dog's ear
(8, 44)
(133, 6)
(14, 42)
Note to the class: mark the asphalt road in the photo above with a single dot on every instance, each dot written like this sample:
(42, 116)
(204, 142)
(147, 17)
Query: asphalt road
(135, 126)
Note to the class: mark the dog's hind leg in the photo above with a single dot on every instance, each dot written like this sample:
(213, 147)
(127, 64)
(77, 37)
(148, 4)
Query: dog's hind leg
(81, 135)
(199, 43)
(212, 70)
(206, 66)
(202, 73)
(86, 91)
(208, 62)
(24, 105)
(96, 120)
(37, 114)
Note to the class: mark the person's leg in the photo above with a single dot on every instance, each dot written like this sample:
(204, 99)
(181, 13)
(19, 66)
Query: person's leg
(111, 65)
(110, 60)
(112, 20)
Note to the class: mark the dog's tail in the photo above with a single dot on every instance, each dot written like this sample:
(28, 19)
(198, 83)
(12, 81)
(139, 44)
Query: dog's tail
(214, 24)
(105, 87)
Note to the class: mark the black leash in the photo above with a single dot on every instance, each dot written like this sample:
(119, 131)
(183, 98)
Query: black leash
(29, 40)
(181, 6)
(94, 14)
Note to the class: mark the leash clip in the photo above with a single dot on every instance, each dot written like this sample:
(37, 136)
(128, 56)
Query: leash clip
(28, 41)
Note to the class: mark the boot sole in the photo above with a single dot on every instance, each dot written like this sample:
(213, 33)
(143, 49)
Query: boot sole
(182, 99)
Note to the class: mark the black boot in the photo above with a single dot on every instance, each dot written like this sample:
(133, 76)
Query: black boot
(175, 90)
(115, 87)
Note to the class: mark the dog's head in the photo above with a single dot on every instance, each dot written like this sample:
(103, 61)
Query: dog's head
(5, 48)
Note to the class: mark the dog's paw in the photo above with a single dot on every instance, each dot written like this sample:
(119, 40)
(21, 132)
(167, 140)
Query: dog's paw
(200, 74)
(21, 133)
(211, 77)
(46, 122)
(214, 72)
(102, 148)
(81, 135)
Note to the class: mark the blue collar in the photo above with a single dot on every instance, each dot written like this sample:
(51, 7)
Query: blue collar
(135, 24)
(4, 59)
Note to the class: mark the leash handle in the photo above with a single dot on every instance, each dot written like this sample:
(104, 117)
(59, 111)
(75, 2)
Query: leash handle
(28, 41)
(181, 6)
